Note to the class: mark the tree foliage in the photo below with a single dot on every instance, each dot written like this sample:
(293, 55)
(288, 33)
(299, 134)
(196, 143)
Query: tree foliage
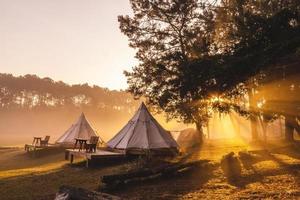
(32, 92)
(193, 50)
(168, 36)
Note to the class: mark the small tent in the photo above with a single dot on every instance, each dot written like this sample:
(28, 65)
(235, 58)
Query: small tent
(189, 138)
(142, 134)
(81, 129)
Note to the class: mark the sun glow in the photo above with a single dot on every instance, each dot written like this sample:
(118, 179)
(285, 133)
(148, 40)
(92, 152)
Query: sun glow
(261, 103)
(216, 99)
(228, 126)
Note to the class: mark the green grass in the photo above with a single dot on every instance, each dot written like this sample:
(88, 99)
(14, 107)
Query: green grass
(25, 177)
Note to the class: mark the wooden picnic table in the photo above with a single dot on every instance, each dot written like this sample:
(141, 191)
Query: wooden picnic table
(81, 142)
(36, 141)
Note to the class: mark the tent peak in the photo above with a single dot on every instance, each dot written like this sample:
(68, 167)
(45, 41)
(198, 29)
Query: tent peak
(82, 117)
(143, 106)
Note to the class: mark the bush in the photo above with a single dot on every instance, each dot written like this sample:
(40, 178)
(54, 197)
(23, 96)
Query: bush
(231, 166)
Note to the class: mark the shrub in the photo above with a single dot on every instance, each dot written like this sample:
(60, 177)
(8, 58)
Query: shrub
(231, 166)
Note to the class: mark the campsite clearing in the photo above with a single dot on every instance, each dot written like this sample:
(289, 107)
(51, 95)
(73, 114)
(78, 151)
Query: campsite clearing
(24, 177)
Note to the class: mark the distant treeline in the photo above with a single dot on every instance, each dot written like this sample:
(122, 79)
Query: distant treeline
(33, 92)
(32, 106)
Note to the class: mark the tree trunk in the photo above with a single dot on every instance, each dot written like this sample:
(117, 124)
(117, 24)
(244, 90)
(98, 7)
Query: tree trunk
(208, 131)
(200, 130)
(297, 126)
(289, 129)
(253, 123)
(264, 128)
(253, 118)
(280, 125)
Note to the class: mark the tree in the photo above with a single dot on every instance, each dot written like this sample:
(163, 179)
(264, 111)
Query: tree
(191, 51)
(168, 36)
(280, 92)
(32, 92)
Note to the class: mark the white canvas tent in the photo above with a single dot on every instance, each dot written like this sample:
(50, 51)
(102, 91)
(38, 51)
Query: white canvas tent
(189, 138)
(81, 129)
(143, 133)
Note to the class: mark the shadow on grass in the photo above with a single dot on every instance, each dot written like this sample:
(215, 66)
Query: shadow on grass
(292, 169)
(248, 159)
(292, 150)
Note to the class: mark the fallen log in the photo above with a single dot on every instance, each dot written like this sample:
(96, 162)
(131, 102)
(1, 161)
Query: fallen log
(113, 181)
(114, 177)
(173, 169)
(74, 193)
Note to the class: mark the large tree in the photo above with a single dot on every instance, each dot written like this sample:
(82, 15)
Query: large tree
(193, 50)
(168, 36)
(258, 34)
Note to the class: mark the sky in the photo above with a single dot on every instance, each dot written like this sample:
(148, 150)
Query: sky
(75, 41)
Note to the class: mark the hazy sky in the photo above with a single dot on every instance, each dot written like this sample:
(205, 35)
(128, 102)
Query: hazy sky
(76, 41)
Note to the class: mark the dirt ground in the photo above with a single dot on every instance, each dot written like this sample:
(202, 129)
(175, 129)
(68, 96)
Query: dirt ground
(274, 173)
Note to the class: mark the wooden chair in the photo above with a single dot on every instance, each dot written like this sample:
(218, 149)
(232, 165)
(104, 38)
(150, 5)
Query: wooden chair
(91, 145)
(45, 141)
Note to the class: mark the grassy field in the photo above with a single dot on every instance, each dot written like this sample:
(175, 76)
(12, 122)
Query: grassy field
(274, 175)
